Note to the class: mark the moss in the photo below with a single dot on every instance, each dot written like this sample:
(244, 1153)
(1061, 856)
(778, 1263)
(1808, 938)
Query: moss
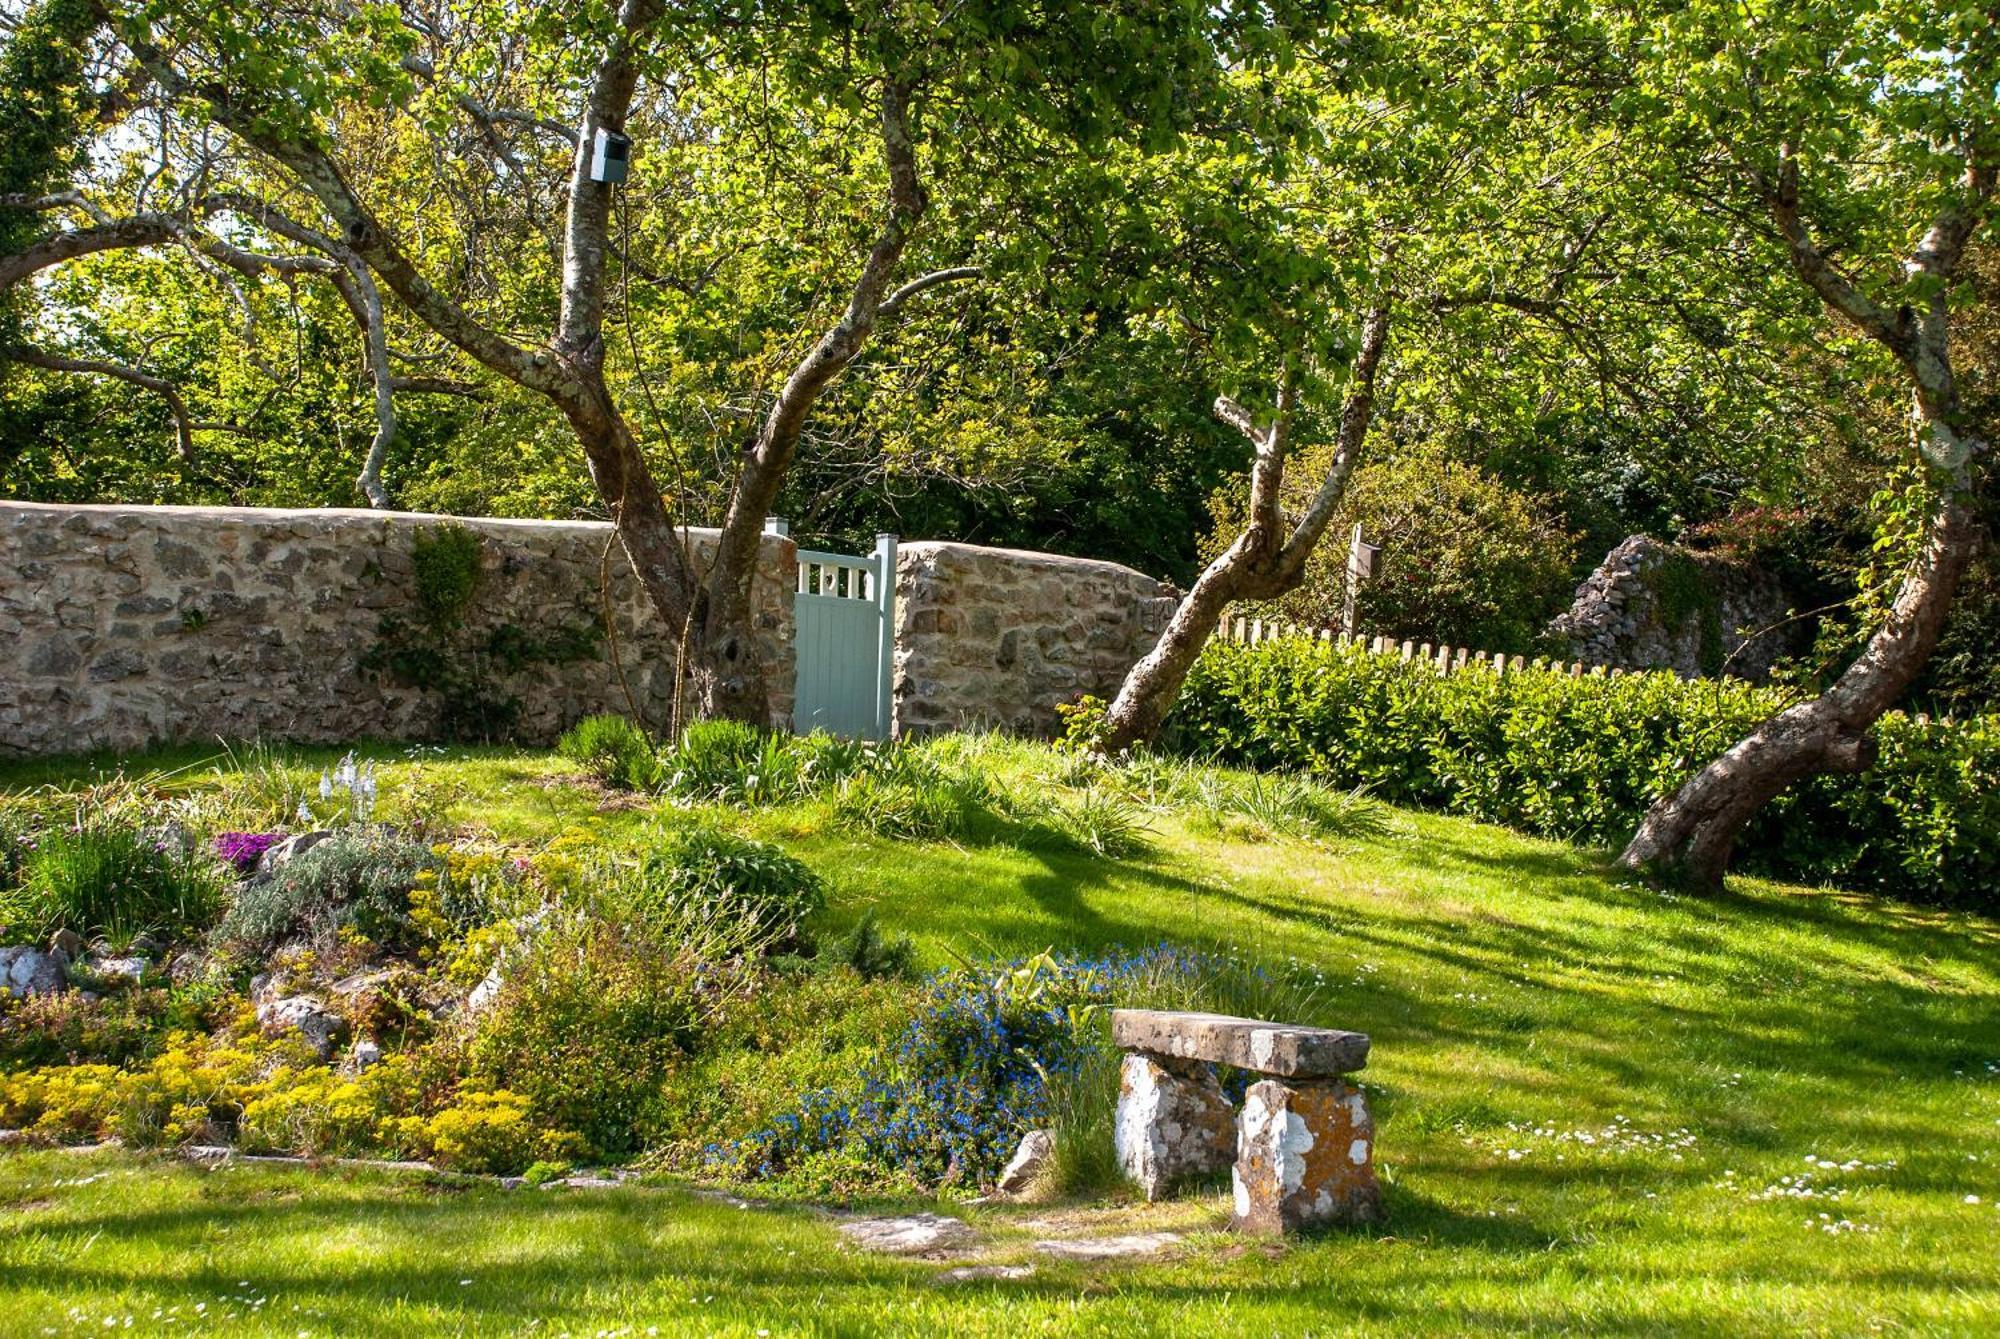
(1682, 591)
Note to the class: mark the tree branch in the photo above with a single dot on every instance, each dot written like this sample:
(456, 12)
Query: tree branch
(438, 386)
(925, 283)
(1782, 199)
(1356, 413)
(183, 424)
(139, 230)
(361, 230)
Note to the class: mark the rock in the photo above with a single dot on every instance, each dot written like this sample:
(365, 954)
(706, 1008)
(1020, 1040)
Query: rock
(128, 971)
(1021, 1171)
(587, 1181)
(1173, 1124)
(917, 1234)
(1305, 1157)
(311, 1019)
(1267, 1048)
(187, 965)
(1107, 1248)
(364, 1054)
(486, 991)
(31, 971)
(286, 851)
(362, 982)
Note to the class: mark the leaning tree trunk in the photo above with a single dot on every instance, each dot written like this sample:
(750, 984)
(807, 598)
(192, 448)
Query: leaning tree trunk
(1151, 686)
(1264, 562)
(1688, 837)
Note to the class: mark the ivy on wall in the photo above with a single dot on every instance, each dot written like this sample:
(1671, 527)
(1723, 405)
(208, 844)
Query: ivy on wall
(468, 669)
(1681, 592)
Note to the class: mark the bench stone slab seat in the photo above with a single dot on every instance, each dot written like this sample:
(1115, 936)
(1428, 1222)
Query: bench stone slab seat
(1303, 1145)
(1277, 1049)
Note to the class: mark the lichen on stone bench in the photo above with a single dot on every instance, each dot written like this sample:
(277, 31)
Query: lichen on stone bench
(1278, 1049)
(1301, 1151)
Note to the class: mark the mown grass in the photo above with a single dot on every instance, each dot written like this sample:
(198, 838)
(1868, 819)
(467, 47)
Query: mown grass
(1585, 1090)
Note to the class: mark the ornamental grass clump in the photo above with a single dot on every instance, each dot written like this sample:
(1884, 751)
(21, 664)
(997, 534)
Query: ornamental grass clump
(724, 761)
(1259, 806)
(101, 877)
(612, 749)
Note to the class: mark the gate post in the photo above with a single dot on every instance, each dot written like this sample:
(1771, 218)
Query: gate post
(885, 605)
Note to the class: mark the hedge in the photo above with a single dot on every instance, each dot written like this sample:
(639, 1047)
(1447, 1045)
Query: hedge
(1581, 759)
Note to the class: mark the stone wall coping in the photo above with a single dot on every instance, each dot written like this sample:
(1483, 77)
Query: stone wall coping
(1282, 1049)
(251, 515)
(934, 548)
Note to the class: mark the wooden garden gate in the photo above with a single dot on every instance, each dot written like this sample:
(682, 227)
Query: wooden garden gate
(845, 620)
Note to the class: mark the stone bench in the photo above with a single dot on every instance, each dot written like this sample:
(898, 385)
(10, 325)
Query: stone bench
(1303, 1146)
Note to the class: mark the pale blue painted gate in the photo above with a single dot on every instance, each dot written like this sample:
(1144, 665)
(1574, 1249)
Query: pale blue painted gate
(845, 620)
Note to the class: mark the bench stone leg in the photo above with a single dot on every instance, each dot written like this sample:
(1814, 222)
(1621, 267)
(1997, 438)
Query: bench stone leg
(1174, 1124)
(1305, 1156)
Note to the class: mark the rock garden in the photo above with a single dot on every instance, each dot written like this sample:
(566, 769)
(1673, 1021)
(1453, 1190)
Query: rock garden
(939, 1017)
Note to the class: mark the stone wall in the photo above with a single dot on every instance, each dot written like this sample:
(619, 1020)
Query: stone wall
(1653, 605)
(1000, 637)
(124, 626)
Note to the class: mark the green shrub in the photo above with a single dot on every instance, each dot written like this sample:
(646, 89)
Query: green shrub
(1084, 723)
(1582, 758)
(613, 750)
(103, 878)
(358, 880)
(870, 954)
(706, 874)
(588, 1024)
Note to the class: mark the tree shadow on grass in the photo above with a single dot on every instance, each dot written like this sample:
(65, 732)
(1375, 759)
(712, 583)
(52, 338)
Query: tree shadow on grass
(1592, 1010)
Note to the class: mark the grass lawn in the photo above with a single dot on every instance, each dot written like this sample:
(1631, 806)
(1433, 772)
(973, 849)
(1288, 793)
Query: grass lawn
(1601, 1109)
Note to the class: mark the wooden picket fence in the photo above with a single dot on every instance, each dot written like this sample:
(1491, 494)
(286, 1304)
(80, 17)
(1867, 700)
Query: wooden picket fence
(1445, 659)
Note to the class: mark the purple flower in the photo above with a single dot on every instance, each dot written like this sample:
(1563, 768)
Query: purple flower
(245, 849)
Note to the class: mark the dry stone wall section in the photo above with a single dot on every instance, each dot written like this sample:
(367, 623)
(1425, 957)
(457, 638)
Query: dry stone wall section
(1653, 605)
(1001, 637)
(126, 626)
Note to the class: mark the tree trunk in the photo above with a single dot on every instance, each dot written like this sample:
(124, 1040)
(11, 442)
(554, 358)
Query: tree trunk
(1687, 838)
(729, 676)
(1151, 686)
(1263, 563)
